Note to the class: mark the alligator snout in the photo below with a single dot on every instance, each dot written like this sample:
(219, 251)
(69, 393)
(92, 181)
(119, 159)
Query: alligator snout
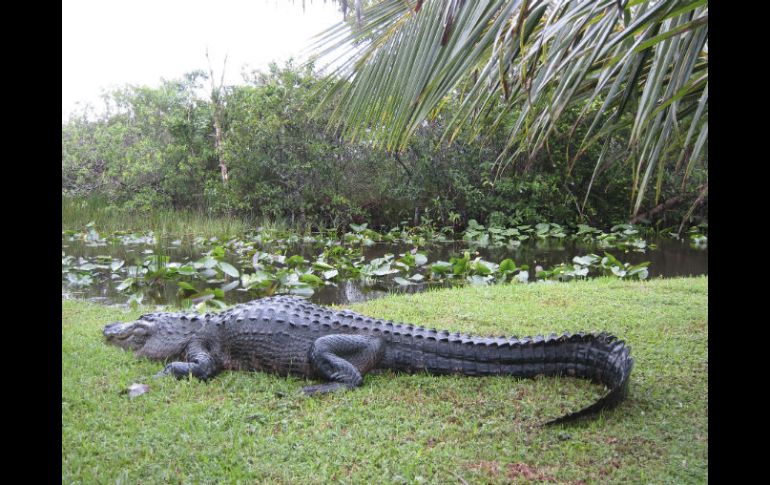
(113, 330)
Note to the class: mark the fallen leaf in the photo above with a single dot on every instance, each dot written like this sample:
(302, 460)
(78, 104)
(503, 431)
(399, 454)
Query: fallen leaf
(135, 390)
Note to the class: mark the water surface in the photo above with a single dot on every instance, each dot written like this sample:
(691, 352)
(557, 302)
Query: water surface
(671, 258)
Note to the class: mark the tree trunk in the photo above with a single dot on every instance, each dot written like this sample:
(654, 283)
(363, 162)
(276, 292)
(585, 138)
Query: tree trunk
(704, 190)
(218, 146)
(673, 201)
(216, 101)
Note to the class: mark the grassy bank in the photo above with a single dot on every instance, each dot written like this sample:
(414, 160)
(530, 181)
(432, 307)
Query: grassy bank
(252, 427)
(76, 213)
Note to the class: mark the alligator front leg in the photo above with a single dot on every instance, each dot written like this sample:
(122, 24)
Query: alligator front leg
(343, 360)
(201, 364)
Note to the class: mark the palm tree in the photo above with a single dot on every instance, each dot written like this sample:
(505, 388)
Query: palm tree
(637, 67)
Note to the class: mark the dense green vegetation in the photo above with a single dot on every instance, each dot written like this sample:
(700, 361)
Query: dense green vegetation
(154, 149)
(254, 427)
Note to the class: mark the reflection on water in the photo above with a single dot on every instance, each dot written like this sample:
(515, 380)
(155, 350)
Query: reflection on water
(671, 258)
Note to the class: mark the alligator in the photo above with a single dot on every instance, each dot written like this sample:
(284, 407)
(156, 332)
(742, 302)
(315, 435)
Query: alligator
(291, 336)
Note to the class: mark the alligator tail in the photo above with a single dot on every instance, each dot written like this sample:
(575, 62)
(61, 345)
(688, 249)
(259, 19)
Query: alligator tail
(604, 359)
(608, 401)
(599, 357)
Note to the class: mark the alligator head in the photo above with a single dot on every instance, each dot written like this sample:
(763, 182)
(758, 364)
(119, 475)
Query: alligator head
(150, 336)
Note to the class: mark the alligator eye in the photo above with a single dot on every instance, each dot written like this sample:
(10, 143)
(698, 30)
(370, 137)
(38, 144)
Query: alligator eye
(140, 331)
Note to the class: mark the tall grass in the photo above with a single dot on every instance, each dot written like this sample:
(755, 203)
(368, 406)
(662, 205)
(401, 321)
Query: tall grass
(76, 213)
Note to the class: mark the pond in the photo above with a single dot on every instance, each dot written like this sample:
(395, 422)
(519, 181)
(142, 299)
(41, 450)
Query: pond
(96, 278)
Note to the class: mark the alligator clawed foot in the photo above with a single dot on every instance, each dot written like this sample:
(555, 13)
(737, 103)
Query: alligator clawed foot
(166, 371)
(180, 370)
(323, 388)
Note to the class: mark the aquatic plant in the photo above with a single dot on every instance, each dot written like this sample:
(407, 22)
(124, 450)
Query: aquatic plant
(274, 263)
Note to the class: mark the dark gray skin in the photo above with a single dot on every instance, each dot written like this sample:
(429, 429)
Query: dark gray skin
(291, 336)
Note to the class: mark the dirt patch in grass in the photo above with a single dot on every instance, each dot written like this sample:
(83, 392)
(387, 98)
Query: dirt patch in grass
(511, 471)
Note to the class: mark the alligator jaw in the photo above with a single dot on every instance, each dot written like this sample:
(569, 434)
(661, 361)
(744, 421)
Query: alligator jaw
(129, 336)
(116, 331)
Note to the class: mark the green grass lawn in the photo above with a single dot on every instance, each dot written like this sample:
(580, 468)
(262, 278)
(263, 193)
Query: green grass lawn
(245, 427)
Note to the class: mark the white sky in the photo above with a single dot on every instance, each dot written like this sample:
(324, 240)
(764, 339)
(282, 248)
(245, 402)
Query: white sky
(109, 43)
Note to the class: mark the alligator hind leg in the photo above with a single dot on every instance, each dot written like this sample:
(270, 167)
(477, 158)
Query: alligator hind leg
(343, 360)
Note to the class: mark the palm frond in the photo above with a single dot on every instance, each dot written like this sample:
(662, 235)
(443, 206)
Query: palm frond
(638, 65)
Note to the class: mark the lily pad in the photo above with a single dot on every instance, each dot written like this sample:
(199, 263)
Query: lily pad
(229, 269)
